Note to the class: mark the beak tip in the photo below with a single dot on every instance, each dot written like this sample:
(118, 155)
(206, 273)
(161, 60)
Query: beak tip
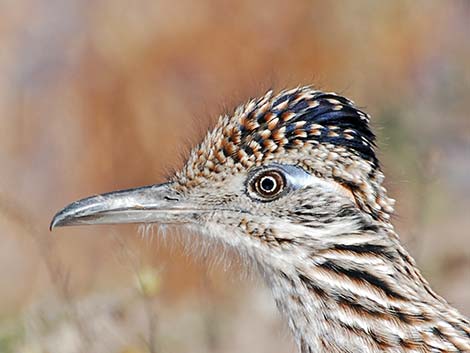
(56, 222)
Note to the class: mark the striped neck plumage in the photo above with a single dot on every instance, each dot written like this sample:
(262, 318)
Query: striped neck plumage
(363, 293)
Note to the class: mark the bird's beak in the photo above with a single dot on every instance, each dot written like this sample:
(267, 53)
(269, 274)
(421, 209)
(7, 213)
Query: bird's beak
(148, 204)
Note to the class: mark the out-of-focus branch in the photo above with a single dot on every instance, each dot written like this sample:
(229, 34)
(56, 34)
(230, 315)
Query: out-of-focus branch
(148, 284)
(58, 273)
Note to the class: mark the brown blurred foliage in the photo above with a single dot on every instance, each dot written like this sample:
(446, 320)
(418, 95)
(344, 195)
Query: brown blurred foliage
(106, 94)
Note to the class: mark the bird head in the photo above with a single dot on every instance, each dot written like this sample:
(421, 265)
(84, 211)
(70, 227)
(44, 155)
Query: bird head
(281, 172)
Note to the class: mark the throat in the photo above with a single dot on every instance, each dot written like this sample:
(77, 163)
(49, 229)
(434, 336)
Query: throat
(357, 297)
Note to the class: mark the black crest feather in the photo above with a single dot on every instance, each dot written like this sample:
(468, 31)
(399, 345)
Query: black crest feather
(312, 116)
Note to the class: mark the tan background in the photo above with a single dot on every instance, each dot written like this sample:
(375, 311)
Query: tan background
(107, 94)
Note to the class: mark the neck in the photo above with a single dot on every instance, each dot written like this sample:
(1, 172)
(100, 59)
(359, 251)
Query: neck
(363, 293)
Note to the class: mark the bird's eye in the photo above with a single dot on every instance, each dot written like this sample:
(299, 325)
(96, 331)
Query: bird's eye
(268, 184)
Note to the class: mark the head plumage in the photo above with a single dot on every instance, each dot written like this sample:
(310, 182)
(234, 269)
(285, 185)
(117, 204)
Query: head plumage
(324, 133)
(303, 115)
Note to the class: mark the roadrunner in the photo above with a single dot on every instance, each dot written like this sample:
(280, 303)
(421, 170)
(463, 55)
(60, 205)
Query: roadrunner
(292, 182)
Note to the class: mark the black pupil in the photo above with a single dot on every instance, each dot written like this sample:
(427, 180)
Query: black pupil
(268, 184)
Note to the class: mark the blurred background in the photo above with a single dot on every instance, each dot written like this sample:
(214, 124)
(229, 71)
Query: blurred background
(107, 94)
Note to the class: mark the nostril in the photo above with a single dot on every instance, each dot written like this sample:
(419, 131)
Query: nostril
(169, 198)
